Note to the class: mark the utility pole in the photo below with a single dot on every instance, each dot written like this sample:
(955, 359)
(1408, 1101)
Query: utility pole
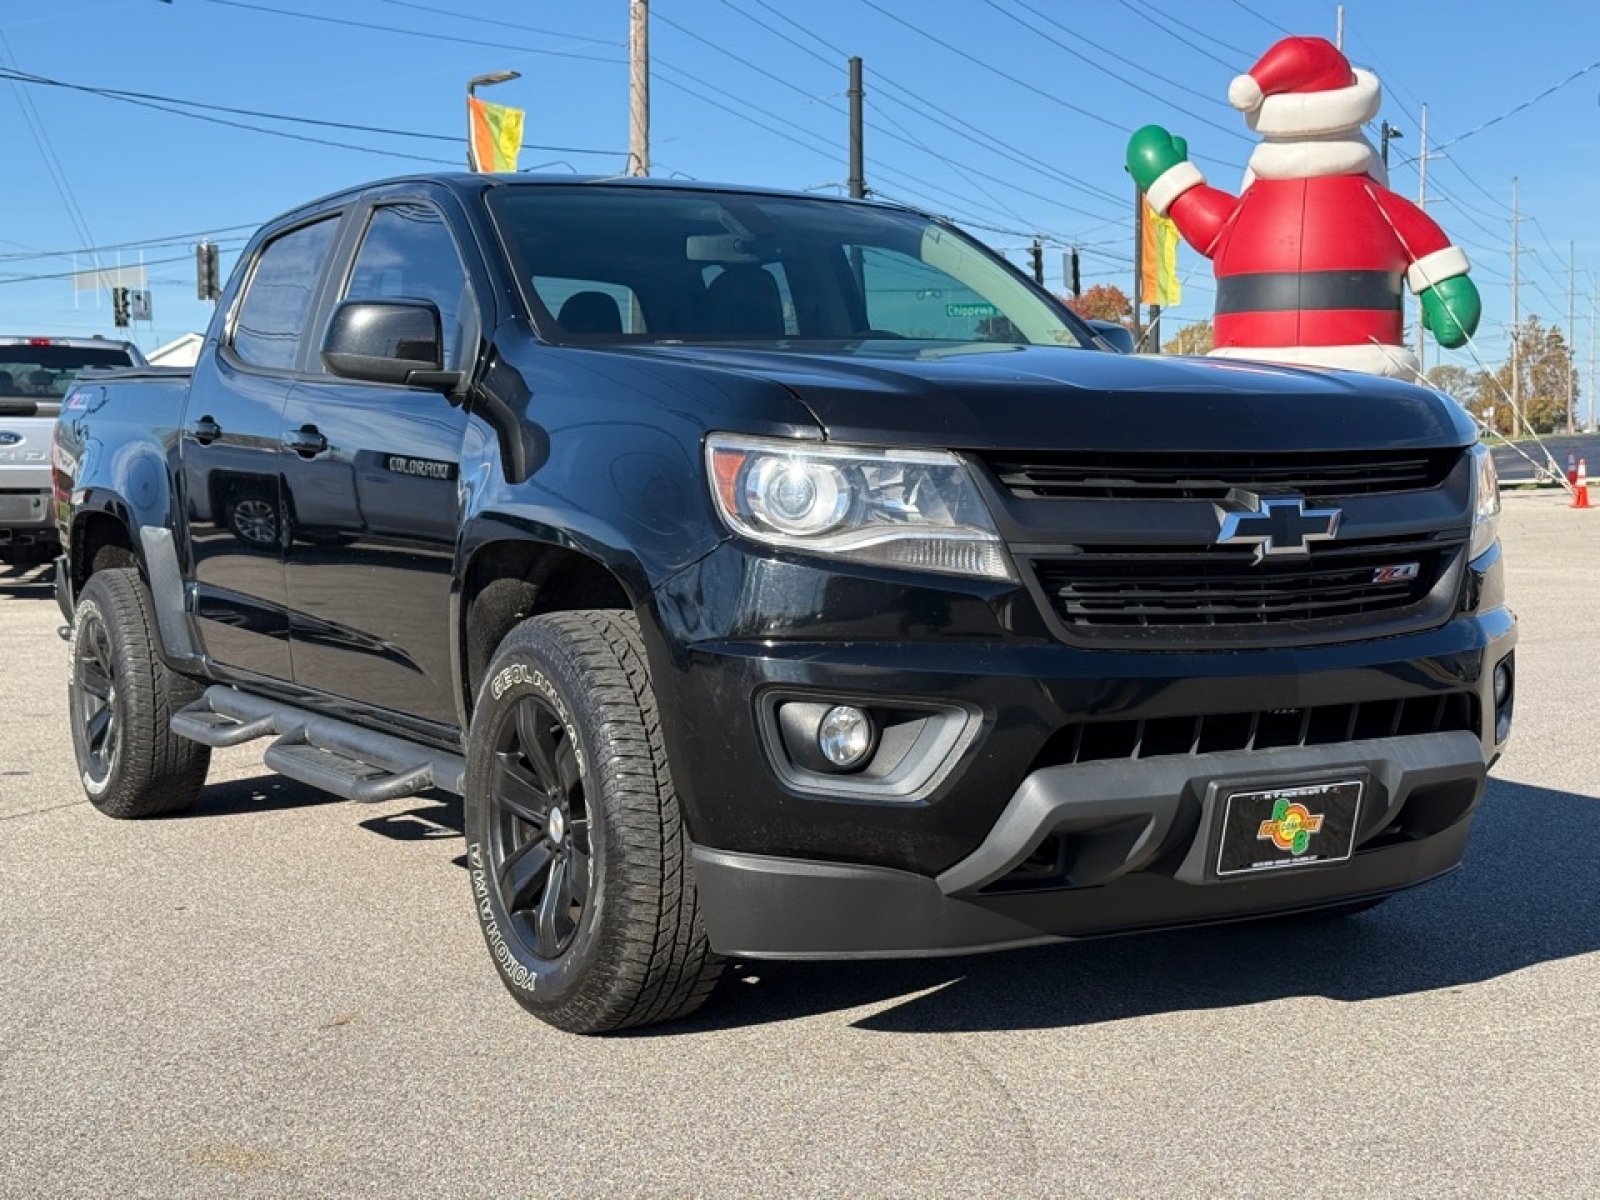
(1138, 267)
(1338, 27)
(858, 177)
(1572, 268)
(1591, 351)
(1422, 202)
(1516, 320)
(639, 87)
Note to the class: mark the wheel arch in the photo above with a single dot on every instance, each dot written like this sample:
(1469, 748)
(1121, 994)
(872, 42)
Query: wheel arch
(506, 581)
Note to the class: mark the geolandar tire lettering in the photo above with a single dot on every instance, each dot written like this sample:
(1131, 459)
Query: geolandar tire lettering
(576, 849)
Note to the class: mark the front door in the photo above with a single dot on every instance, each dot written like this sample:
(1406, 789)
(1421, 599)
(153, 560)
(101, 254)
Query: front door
(371, 481)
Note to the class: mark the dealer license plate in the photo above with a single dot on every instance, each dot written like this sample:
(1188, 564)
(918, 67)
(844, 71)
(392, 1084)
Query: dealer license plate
(1286, 827)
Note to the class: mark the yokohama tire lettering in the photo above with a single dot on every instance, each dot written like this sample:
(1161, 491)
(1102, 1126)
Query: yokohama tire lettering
(514, 970)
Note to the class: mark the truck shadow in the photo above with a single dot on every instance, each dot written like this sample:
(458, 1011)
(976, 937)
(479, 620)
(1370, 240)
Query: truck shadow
(26, 580)
(1525, 895)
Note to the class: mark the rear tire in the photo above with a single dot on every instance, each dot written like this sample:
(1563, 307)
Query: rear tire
(122, 697)
(576, 850)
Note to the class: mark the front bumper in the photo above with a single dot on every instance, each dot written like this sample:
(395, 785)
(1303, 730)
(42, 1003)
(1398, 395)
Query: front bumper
(1133, 848)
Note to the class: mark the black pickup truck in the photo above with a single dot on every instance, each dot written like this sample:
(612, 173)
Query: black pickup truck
(778, 576)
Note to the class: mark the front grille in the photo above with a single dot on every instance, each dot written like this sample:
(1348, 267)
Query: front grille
(1210, 475)
(1139, 588)
(1264, 729)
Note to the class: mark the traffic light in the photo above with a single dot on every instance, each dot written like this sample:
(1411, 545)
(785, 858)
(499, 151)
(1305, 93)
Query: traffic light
(119, 307)
(1077, 287)
(1038, 261)
(208, 283)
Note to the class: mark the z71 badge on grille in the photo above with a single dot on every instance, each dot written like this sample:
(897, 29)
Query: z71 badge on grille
(1274, 525)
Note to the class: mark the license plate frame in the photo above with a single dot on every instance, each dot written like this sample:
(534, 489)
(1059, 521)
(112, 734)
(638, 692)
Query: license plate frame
(1315, 826)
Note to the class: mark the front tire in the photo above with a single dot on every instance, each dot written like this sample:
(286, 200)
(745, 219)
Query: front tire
(122, 697)
(576, 850)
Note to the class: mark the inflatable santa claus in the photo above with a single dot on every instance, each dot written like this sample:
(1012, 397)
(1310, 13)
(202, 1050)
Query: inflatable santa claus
(1311, 256)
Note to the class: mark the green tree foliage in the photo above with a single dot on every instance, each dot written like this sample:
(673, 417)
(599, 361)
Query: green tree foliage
(1191, 339)
(1102, 302)
(1546, 370)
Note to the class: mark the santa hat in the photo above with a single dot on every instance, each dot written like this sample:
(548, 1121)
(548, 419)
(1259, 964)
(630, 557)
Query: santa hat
(1304, 86)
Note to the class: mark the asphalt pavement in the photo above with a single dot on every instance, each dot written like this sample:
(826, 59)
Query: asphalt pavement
(282, 995)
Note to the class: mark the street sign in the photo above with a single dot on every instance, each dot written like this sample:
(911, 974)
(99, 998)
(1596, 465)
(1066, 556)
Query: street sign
(138, 304)
(971, 310)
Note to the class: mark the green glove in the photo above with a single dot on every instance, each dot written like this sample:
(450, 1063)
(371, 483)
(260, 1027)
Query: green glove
(1152, 151)
(1451, 308)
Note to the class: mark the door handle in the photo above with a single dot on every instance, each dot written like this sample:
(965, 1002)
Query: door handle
(307, 441)
(205, 431)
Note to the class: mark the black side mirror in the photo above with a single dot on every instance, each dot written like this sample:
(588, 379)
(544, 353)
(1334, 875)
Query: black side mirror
(388, 341)
(1118, 337)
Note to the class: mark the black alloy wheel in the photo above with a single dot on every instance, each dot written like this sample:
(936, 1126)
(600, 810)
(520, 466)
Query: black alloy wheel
(94, 697)
(539, 828)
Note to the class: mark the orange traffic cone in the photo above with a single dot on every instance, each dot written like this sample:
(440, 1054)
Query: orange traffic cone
(1580, 497)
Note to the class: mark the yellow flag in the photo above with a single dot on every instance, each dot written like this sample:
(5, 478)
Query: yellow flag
(496, 135)
(1159, 284)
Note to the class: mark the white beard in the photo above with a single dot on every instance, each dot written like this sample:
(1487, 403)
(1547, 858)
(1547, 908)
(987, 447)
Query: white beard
(1345, 153)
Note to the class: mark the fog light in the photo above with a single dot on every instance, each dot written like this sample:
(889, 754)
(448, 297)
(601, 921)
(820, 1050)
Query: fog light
(845, 736)
(1502, 684)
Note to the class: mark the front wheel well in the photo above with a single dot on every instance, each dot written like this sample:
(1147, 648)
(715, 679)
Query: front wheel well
(510, 582)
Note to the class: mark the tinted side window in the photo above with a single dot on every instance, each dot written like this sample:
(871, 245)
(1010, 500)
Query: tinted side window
(272, 315)
(407, 254)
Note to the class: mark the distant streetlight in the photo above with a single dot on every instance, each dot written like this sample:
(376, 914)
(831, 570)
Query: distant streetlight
(473, 84)
(1388, 133)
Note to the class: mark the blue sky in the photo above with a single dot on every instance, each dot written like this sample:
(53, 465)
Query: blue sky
(1009, 115)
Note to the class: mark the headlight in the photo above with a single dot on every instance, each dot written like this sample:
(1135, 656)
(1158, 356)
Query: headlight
(1485, 501)
(916, 509)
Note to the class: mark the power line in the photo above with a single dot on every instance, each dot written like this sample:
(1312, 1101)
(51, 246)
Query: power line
(153, 262)
(499, 24)
(58, 175)
(142, 244)
(978, 136)
(1511, 112)
(1104, 70)
(1266, 20)
(792, 86)
(432, 37)
(1022, 83)
(1138, 10)
(150, 99)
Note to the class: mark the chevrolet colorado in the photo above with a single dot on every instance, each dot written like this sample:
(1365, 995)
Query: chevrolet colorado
(778, 576)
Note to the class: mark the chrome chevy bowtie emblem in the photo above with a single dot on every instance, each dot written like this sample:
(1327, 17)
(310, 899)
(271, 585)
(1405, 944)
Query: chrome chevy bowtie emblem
(1278, 525)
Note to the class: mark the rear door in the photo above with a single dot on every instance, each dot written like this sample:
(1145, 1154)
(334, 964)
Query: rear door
(373, 483)
(233, 451)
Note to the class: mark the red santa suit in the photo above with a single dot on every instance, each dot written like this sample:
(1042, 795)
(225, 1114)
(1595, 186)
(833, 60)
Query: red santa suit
(1310, 258)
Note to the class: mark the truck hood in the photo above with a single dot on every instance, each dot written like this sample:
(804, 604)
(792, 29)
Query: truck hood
(985, 396)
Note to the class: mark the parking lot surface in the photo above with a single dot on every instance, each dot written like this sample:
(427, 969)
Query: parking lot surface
(279, 994)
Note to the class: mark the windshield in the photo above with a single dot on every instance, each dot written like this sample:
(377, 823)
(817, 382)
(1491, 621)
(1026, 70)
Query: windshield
(35, 376)
(652, 264)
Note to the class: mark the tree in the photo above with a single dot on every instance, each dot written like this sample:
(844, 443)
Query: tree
(1102, 302)
(1545, 370)
(1454, 381)
(1191, 339)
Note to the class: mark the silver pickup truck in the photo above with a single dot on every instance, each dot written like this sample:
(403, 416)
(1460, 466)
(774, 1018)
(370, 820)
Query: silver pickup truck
(35, 373)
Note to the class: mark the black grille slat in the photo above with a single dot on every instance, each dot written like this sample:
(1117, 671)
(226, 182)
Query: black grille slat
(1210, 475)
(1313, 725)
(1205, 588)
